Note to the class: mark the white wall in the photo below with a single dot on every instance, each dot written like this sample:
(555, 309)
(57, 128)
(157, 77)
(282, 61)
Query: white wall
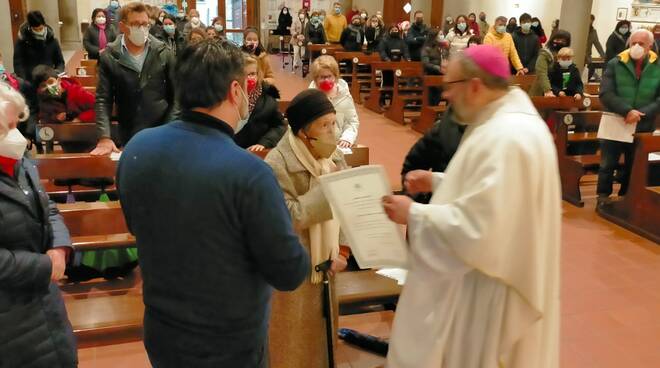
(50, 10)
(371, 6)
(6, 41)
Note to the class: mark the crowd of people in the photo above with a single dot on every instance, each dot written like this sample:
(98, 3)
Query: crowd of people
(267, 223)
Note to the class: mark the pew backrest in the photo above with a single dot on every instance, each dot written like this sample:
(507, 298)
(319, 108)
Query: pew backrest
(74, 165)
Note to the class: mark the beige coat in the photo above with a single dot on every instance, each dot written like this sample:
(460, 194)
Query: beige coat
(263, 62)
(297, 336)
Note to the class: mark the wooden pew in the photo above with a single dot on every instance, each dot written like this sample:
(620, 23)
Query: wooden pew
(87, 81)
(323, 49)
(70, 132)
(365, 288)
(592, 89)
(406, 94)
(577, 128)
(96, 225)
(429, 113)
(359, 155)
(373, 101)
(546, 106)
(346, 67)
(525, 82)
(639, 210)
(74, 166)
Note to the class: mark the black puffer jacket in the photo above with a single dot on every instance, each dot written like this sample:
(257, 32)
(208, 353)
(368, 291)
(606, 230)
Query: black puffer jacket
(434, 150)
(265, 125)
(415, 39)
(144, 98)
(528, 46)
(34, 328)
(616, 44)
(373, 36)
(393, 49)
(91, 39)
(30, 52)
(352, 38)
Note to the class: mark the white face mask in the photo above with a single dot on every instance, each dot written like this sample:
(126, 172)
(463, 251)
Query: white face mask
(637, 52)
(194, 20)
(243, 112)
(219, 27)
(13, 145)
(100, 20)
(138, 35)
(565, 63)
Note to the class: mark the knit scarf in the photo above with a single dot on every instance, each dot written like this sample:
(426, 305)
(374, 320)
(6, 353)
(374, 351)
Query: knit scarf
(7, 165)
(103, 41)
(357, 31)
(323, 236)
(254, 96)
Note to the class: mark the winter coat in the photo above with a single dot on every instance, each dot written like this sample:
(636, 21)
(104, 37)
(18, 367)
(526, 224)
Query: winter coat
(543, 63)
(143, 98)
(30, 52)
(458, 41)
(75, 101)
(315, 34)
(483, 28)
(352, 38)
(567, 80)
(415, 39)
(176, 42)
(91, 39)
(373, 36)
(621, 91)
(616, 44)
(505, 43)
(393, 49)
(432, 56)
(188, 27)
(527, 46)
(347, 121)
(592, 40)
(298, 29)
(213, 310)
(266, 125)
(434, 150)
(34, 328)
(284, 21)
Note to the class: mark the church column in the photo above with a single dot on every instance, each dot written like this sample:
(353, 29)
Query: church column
(575, 19)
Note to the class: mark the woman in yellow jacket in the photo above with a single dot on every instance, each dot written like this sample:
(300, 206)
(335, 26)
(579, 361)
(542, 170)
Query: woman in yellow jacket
(498, 37)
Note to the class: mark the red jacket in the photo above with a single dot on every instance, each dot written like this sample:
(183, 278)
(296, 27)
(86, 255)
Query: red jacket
(79, 103)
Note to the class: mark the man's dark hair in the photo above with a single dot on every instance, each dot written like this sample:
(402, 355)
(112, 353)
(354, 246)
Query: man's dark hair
(35, 18)
(524, 17)
(561, 34)
(41, 73)
(204, 72)
(418, 12)
(134, 7)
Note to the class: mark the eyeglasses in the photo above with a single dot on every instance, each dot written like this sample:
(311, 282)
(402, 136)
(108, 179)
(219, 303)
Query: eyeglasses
(449, 83)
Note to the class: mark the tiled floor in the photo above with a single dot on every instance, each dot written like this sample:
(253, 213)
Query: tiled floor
(610, 277)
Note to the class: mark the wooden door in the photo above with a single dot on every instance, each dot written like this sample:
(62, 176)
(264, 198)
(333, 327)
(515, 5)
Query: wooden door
(393, 12)
(17, 12)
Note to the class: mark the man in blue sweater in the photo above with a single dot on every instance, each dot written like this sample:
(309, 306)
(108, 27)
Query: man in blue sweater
(213, 231)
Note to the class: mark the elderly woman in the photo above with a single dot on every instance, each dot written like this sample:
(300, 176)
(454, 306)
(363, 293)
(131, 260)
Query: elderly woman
(34, 245)
(265, 125)
(99, 34)
(325, 77)
(308, 150)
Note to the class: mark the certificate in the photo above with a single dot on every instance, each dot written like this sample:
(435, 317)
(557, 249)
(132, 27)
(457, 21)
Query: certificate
(355, 196)
(613, 127)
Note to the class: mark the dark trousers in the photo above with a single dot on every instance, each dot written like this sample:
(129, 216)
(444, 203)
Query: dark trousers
(610, 152)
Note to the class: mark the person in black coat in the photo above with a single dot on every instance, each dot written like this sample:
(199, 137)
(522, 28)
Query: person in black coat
(618, 40)
(565, 78)
(284, 22)
(417, 36)
(92, 39)
(34, 244)
(352, 37)
(314, 31)
(527, 43)
(36, 45)
(374, 32)
(434, 150)
(393, 48)
(265, 126)
(171, 36)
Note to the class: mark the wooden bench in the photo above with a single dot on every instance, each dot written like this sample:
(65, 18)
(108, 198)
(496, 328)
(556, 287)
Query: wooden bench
(576, 129)
(525, 82)
(407, 94)
(639, 210)
(365, 288)
(68, 132)
(345, 61)
(74, 166)
(359, 155)
(322, 49)
(87, 81)
(96, 225)
(373, 102)
(429, 114)
(592, 89)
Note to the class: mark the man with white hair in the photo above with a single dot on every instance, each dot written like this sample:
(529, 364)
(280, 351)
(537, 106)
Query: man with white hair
(34, 245)
(630, 88)
(483, 286)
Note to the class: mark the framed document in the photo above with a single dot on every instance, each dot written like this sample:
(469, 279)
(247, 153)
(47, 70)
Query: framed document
(355, 196)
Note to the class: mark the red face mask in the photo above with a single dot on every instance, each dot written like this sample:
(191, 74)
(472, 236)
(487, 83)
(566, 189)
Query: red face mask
(327, 85)
(251, 84)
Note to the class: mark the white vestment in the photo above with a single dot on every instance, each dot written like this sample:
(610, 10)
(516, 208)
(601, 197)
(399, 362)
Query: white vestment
(483, 288)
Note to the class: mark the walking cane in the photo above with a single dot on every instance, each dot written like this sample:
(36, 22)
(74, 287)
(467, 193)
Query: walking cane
(327, 309)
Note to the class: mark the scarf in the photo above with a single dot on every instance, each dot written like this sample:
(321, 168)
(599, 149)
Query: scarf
(638, 67)
(254, 96)
(7, 165)
(357, 31)
(103, 41)
(323, 236)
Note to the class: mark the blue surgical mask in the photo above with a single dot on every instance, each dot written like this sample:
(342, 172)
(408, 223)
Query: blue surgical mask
(315, 20)
(623, 30)
(337, 10)
(526, 27)
(114, 4)
(461, 26)
(2, 69)
(169, 29)
(535, 24)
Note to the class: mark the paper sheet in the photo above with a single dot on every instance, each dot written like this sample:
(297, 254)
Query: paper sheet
(115, 156)
(614, 128)
(355, 196)
(398, 274)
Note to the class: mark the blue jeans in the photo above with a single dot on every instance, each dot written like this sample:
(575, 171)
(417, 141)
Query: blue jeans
(610, 152)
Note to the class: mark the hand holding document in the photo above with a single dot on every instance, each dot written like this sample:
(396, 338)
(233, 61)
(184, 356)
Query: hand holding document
(355, 197)
(613, 127)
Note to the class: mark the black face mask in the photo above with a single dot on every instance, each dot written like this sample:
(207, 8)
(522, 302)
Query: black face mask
(394, 34)
(557, 46)
(419, 22)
